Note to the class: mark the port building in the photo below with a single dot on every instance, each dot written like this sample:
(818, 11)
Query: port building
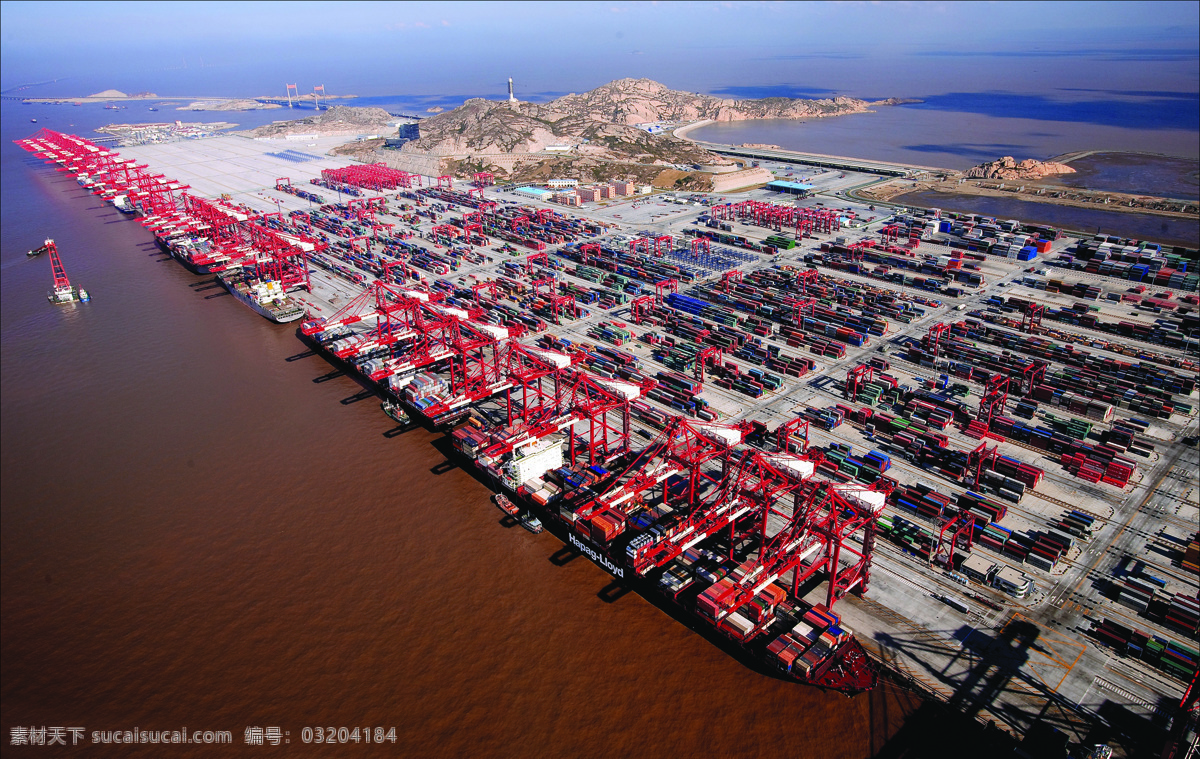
(791, 188)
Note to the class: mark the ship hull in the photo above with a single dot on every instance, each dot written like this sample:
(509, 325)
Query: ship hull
(414, 414)
(187, 263)
(277, 316)
(752, 654)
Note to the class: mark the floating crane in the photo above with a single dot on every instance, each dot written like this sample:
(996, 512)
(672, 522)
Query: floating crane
(64, 291)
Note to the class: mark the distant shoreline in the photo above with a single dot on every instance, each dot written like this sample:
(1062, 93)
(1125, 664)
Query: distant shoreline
(151, 96)
(884, 192)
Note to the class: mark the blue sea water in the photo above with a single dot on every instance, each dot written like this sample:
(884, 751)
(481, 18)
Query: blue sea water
(957, 130)
(1029, 102)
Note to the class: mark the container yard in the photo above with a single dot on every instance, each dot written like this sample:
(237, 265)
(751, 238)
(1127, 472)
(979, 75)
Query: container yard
(835, 441)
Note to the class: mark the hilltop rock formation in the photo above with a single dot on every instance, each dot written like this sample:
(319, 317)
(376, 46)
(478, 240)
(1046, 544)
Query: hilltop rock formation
(638, 101)
(601, 122)
(1009, 168)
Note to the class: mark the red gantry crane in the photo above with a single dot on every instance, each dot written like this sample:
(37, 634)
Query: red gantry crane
(856, 378)
(823, 523)
(681, 449)
(63, 291)
(994, 399)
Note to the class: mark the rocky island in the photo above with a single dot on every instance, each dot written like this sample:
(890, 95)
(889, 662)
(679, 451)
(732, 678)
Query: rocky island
(1010, 168)
(594, 136)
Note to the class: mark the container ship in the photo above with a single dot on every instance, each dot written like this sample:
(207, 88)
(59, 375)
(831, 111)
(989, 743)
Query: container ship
(195, 253)
(266, 297)
(701, 570)
(382, 364)
(412, 352)
(124, 205)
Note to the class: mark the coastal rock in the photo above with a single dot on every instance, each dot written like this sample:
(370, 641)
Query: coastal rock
(1009, 168)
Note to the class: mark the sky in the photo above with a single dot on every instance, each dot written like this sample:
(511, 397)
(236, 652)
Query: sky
(901, 49)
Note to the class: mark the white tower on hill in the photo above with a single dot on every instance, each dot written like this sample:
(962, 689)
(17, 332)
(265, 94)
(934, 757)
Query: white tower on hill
(511, 98)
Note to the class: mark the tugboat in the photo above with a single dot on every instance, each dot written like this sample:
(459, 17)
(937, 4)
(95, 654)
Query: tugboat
(393, 410)
(530, 522)
(38, 251)
(83, 295)
(507, 506)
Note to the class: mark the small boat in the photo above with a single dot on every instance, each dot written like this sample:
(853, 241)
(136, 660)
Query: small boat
(507, 506)
(530, 522)
(83, 295)
(33, 121)
(36, 252)
(394, 411)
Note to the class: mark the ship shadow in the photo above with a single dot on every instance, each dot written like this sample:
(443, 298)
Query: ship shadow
(358, 397)
(330, 376)
(613, 592)
(564, 556)
(299, 356)
(443, 468)
(399, 430)
(222, 294)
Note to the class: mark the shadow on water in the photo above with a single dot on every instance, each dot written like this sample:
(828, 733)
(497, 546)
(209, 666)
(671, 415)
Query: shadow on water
(299, 356)
(398, 430)
(330, 376)
(358, 397)
(224, 293)
(564, 556)
(443, 468)
(613, 592)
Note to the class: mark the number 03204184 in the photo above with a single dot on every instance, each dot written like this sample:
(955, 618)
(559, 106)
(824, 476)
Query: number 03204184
(348, 735)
